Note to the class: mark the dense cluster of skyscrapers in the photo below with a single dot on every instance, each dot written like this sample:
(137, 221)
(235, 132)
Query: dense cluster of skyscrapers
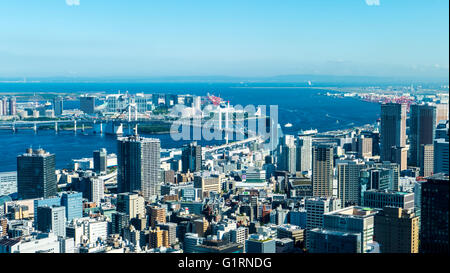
(382, 188)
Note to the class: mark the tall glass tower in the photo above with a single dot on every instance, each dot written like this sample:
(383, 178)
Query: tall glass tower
(138, 163)
(36, 174)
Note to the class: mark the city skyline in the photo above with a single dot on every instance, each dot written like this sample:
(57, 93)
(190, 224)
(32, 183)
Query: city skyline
(224, 127)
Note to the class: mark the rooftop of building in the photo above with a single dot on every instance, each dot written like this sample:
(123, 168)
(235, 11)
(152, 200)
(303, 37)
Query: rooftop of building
(390, 192)
(289, 227)
(354, 211)
(137, 138)
(334, 232)
(441, 140)
(438, 176)
(397, 212)
(284, 240)
(322, 198)
(38, 152)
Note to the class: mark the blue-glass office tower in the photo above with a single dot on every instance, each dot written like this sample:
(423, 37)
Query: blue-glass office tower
(73, 202)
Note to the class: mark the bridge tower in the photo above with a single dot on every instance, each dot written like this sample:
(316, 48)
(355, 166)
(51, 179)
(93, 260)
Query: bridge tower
(132, 106)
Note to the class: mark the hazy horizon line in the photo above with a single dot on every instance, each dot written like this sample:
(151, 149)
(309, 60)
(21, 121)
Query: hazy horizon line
(281, 78)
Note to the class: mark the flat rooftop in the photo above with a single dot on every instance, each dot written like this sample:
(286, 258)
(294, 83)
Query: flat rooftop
(354, 211)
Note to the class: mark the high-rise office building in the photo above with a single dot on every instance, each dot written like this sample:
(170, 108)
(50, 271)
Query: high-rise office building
(316, 207)
(138, 163)
(400, 156)
(41, 202)
(73, 203)
(304, 153)
(375, 136)
(421, 130)
(441, 148)
(119, 221)
(52, 219)
(441, 112)
(207, 183)
(333, 241)
(87, 104)
(132, 204)
(322, 170)
(441, 160)
(288, 158)
(426, 161)
(96, 189)
(434, 237)
(394, 173)
(100, 161)
(191, 158)
(355, 220)
(393, 128)
(391, 171)
(397, 230)
(442, 130)
(384, 198)
(373, 178)
(36, 174)
(364, 146)
(348, 172)
(8, 183)
(298, 217)
(58, 105)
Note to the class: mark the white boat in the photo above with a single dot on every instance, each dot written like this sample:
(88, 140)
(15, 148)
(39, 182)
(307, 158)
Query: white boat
(308, 132)
(288, 125)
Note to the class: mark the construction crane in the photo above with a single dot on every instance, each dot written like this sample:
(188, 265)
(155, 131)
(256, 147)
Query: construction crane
(214, 100)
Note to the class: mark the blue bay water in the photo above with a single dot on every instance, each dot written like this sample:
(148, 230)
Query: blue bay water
(304, 108)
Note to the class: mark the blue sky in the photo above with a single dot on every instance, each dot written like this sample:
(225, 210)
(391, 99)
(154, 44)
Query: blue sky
(45, 38)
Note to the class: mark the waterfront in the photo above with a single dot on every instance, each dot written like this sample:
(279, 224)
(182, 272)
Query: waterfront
(303, 108)
(66, 145)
